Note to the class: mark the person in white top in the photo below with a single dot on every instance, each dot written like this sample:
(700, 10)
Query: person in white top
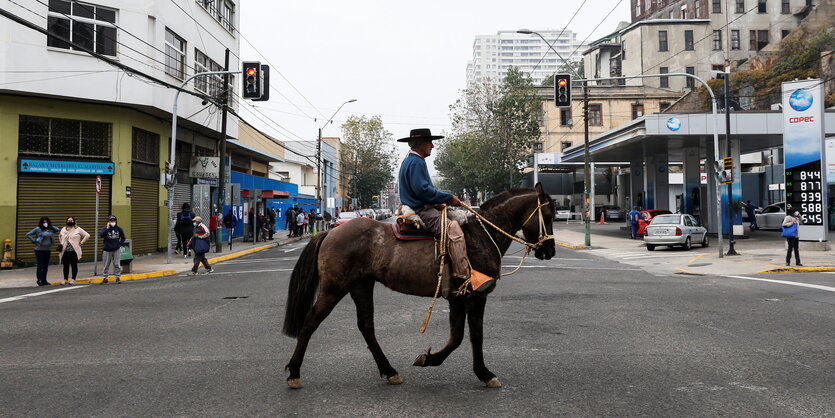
(71, 238)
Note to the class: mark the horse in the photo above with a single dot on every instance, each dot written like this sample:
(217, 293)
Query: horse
(351, 258)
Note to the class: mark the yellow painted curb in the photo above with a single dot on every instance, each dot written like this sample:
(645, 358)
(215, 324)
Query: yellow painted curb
(797, 270)
(241, 253)
(572, 246)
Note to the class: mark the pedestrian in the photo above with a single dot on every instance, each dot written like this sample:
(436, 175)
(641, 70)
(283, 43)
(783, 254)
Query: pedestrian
(42, 236)
(250, 217)
(184, 227)
(751, 210)
(114, 237)
(70, 239)
(300, 224)
(271, 221)
(213, 227)
(312, 217)
(290, 220)
(790, 227)
(632, 217)
(200, 244)
(230, 221)
(328, 219)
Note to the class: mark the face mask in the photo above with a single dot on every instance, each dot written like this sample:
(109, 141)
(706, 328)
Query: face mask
(70, 223)
(46, 225)
(113, 224)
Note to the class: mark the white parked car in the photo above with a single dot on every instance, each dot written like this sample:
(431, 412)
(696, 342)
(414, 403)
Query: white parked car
(674, 229)
(562, 213)
(771, 216)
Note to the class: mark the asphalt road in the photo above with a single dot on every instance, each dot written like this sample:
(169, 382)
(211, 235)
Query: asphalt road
(578, 335)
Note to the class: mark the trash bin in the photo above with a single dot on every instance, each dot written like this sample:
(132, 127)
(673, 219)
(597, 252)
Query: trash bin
(126, 256)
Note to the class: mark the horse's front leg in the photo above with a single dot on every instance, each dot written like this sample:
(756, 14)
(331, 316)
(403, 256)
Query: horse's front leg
(475, 318)
(457, 314)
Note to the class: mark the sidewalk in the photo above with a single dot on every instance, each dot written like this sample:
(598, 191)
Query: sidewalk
(760, 252)
(143, 267)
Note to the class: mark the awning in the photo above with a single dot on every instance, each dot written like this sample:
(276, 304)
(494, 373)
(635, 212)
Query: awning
(268, 194)
(258, 155)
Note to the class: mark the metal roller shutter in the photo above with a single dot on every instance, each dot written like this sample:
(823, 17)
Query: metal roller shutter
(59, 197)
(144, 209)
(182, 194)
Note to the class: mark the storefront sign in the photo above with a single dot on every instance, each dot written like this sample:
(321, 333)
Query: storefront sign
(65, 167)
(803, 145)
(204, 167)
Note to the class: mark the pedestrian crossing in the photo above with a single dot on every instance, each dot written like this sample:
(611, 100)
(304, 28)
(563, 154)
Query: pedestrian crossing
(637, 255)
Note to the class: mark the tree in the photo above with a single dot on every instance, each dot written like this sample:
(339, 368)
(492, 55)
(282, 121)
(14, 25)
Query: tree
(493, 130)
(367, 157)
(578, 66)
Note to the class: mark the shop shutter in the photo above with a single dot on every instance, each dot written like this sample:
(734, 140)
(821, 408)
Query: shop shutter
(144, 208)
(182, 194)
(59, 197)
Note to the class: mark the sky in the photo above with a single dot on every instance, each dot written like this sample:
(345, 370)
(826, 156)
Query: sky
(403, 61)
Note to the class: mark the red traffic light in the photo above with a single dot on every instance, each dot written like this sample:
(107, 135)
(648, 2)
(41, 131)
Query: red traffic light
(562, 82)
(251, 71)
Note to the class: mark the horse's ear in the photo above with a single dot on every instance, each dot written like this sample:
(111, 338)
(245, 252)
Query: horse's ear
(539, 190)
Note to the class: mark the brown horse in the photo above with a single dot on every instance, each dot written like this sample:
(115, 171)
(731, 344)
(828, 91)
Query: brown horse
(351, 258)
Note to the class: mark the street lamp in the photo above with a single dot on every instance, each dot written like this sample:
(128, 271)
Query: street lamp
(319, 156)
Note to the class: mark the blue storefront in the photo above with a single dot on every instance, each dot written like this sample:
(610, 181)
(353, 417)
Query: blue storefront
(274, 194)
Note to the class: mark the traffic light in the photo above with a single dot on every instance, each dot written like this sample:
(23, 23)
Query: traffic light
(252, 80)
(265, 84)
(562, 90)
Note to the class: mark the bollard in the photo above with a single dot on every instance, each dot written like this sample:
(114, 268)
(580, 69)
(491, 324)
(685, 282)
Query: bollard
(7, 262)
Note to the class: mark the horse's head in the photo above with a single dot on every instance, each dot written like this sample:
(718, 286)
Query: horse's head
(539, 224)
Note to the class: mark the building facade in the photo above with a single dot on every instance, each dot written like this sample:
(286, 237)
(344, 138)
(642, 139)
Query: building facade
(493, 55)
(68, 117)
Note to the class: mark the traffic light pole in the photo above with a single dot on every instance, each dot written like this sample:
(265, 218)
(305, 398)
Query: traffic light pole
(715, 138)
(586, 165)
(731, 242)
(171, 170)
(221, 180)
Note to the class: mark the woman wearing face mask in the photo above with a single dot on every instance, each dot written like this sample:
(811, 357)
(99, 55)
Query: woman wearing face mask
(42, 236)
(790, 224)
(71, 238)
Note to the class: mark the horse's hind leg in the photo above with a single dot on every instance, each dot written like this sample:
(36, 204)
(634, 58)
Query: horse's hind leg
(321, 309)
(363, 295)
(475, 318)
(457, 314)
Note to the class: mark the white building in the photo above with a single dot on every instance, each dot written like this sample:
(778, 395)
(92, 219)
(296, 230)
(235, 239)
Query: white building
(494, 54)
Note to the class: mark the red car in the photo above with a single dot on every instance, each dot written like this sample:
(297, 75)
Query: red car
(344, 217)
(645, 217)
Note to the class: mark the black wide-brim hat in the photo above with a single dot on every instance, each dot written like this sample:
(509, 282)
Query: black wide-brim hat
(418, 134)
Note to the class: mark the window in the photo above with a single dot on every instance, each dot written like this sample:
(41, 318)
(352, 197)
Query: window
(698, 10)
(684, 12)
(665, 81)
(145, 147)
(637, 7)
(565, 117)
(740, 6)
(595, 115)
(758, 39)
(637, 110)
(784, 7)
(564, 145)
(761, 8)
(734, 39)
(784, 33)
(690, 82)
(211, 85)
(688, 40)
(221, 10)
(716, 6)
(662, 40)
(717, 40)
(663, 106)
(175, 54)
(86, 25)
(718, 67)
(537, 146)
(64, 137)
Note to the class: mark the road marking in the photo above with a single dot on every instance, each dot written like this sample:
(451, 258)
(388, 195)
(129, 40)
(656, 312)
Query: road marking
(813, 286)
(696, 258)
(29, 295)
(557, 266)
(244, 272)
(291, 249)
(258, 260)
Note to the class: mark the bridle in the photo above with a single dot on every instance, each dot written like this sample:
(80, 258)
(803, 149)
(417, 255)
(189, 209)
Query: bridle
(543, 232)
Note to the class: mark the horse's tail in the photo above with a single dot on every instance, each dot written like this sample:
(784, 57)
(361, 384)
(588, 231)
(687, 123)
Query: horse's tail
(303, 284)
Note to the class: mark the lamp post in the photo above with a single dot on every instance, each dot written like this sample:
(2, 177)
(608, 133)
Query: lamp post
(319, 156)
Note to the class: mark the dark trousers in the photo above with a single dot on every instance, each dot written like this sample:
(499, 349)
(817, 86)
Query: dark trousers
(793, 244)
(272, 229)
(70, 260)
(42, 258)
(200, 258)
(185, 238)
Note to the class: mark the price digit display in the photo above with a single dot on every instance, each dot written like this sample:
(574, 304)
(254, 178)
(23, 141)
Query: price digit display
(804, 192)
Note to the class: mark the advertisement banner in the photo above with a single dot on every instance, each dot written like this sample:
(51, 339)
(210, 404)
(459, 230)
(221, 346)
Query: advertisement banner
(204, 167)
(805, 157)
(65, 167)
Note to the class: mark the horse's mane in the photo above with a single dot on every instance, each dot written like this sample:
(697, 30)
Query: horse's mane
(503, 197)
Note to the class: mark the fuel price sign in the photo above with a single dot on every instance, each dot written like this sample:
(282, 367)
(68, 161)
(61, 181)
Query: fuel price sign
(804, 192)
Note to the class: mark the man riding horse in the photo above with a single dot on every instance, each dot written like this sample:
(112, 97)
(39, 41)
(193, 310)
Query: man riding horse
(417, 192)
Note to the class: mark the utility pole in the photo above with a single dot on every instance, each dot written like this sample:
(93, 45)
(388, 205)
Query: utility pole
(586, 165)
(731, 251)
(319, 171)
(221, 179)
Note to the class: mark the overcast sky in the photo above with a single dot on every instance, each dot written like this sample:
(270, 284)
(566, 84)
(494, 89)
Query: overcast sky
(404, 61)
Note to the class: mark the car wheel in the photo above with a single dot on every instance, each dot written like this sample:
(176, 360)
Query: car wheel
(705, 242)
(650, 247)
(687, 244)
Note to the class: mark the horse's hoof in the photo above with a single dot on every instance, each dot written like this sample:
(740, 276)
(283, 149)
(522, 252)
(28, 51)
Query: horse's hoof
(295, 383)
(421, 360)
(395, 380)
(493, 383)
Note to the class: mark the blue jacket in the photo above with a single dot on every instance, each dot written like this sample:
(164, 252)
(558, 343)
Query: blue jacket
(633, 216)
(37, 236)
(416, 189)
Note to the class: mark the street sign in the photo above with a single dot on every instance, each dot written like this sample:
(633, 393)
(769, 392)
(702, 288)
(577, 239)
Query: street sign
(98, 184)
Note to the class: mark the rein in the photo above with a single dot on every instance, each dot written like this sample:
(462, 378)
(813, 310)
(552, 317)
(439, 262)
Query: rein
(543, 235)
